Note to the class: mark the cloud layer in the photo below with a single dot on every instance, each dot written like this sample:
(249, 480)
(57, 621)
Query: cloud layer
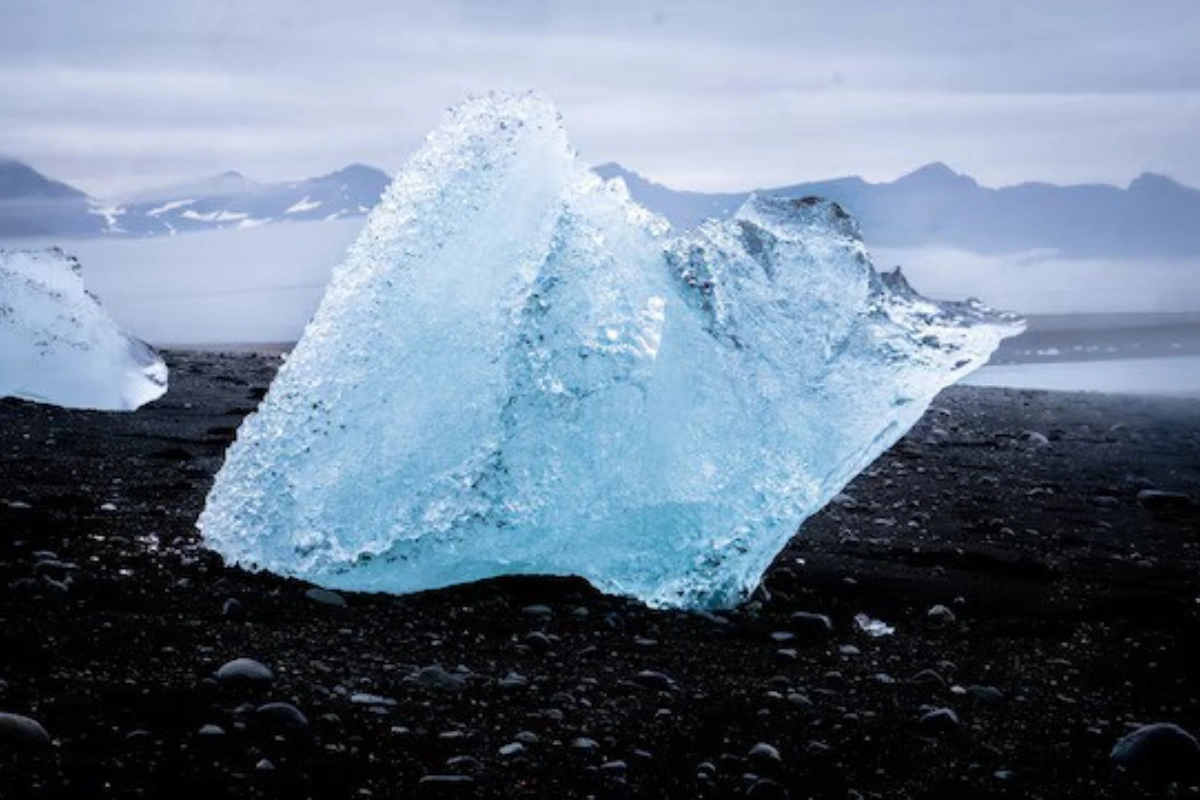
(119, 95)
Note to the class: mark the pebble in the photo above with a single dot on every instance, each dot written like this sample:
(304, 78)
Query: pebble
(653, 679)
(584, 743)
(765, 789)
(212, 730)
(614, 766)
(1160, 751)
(764, 758)
(1158, 500)
(232, 609)
(537, 611)
(464, 764)
(19, 731)
(281, 715)
(264, 765)
(928, 676)
(245, 671)
(434, 677)
(512, 749)
(939, 720)
(988, 695)
(814, 627)
(940, 614)
(325, 597)
(538, 641)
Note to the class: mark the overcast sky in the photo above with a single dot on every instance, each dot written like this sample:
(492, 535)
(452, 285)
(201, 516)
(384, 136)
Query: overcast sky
(124, 94)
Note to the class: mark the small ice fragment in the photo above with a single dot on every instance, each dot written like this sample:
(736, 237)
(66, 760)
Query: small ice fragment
(873, 627)
(58, 346)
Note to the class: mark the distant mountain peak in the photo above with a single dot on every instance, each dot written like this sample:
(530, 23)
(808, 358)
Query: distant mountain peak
(1154, 181)
(934, 174)
(18, 180)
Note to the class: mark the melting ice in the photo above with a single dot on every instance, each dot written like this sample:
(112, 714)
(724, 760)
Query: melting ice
(57, 345)
(517, 369)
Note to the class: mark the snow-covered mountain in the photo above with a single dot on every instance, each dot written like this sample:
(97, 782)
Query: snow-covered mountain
(32, 205)
(935, 206)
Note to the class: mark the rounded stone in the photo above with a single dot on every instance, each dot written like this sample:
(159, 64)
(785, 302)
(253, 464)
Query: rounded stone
(245, 671)
(23, 732)
(1162, 751)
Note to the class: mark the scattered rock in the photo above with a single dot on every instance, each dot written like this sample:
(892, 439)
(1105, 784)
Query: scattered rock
(1158, 500)
(1161, 751)
(325, 597)
(987, 695)
(434, 677)
(766, 789)
(17, 731)
(652, 679)
(764, 758)
(245, 671)
(232, 609)
(811, 627)
(939, 720)
(928, 677)
(280, 716)
(940, 614)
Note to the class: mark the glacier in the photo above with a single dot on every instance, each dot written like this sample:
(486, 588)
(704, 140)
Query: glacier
(58, 346)
(518, 370)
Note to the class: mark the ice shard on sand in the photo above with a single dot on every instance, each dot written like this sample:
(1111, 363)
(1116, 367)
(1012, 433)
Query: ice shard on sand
(58, 346)
(516, 369)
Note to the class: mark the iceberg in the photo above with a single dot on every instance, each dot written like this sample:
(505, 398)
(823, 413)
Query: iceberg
(516, 369)
(58, 346)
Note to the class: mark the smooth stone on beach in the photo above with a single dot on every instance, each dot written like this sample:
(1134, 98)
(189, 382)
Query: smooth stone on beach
(325, 597)
(940, 614)
(939, 720)
(1160, 751)
(1159, 500)
(245, 670)
(434, 677)
(811, 626)
(763, 757)
(281, 716)
(653, 679)
(19, 731)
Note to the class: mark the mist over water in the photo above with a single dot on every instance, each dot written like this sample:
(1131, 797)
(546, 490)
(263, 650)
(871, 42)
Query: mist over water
(1043, 283)
(239, 287)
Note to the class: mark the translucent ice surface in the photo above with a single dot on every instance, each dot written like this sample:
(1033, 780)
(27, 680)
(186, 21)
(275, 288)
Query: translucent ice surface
(518, 370)
(58, 346)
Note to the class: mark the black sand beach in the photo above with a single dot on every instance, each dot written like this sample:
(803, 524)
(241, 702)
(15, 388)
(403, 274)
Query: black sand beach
(1070, 595)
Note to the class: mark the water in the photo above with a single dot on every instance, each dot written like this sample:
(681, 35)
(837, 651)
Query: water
(1179, 376)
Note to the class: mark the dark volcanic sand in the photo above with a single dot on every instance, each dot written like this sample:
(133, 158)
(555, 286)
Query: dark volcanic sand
(1075, 602)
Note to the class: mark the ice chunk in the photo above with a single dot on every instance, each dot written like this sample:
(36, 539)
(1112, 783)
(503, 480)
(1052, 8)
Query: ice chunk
(58, 346)
(518, 370)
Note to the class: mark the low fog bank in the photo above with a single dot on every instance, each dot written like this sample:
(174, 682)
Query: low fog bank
(1042, 283)
(216, 287)
(262, 284)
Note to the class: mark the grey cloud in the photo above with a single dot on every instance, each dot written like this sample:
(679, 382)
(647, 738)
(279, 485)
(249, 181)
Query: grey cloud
(129, 92)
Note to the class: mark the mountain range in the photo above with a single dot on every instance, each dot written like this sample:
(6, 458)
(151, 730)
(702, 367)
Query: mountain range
(1153, 217)
(32, 205)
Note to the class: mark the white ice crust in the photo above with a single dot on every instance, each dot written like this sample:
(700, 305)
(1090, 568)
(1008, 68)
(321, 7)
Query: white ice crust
(518, 370)
(58, 346)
